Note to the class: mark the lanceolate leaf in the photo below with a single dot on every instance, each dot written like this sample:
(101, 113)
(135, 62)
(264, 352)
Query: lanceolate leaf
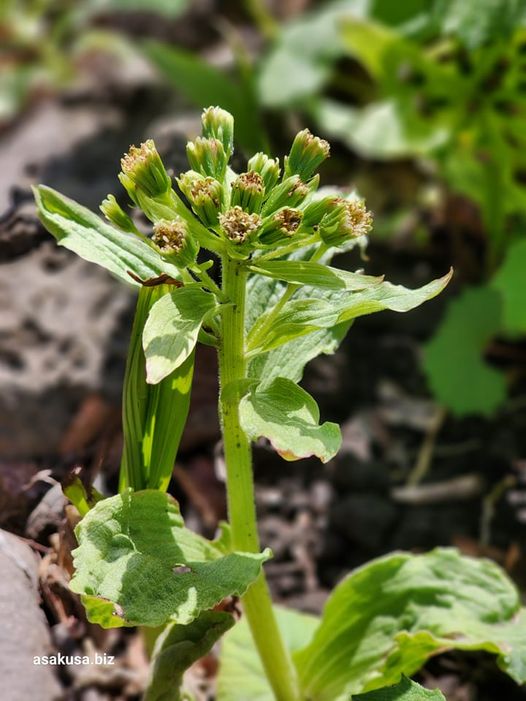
(300, 317)
(241, 674)
(392, 614)
(177, 648)
(138, 560)
(172, 328)
(315, 274)
(83, 232)
(289, 417)
(406, 690)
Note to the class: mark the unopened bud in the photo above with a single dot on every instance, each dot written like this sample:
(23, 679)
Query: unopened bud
(219, 124)
(239, 225)
(267, 167)
(280, 225)
(204, 194)
(208, 157)
(143, 169)
(115, 214)
(315, 210)
(307, 153)
(290, 193)
(173, 241)
(248, 191)
(348, 219)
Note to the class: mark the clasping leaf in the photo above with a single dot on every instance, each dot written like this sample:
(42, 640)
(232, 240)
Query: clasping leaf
(289, 417)
(137, 564)
(172, 328)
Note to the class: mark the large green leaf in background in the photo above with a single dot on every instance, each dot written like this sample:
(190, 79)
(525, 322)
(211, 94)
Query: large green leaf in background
(87, 235)
(456, 372)
(405, 690)
(390, 615)
(141, 566)
(172, 328)
(241, 676)
(177, 648)
(289, 417)
(510, 281)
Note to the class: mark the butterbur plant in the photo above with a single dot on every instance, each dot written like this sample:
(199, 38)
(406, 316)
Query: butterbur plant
(272, 305)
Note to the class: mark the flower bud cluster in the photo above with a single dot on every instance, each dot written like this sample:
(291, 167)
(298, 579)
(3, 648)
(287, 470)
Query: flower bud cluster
(261, 208)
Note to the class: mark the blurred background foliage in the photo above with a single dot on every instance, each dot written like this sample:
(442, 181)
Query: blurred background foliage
(437, 85)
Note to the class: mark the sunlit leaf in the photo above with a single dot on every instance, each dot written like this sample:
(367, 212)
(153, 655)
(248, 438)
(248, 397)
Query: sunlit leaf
(389, 616)
(138, 560)
(87, 235)
(172, 328)
(510, 281)
(289, 417)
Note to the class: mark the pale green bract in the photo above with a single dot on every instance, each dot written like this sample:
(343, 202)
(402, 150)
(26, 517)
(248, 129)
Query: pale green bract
(289, 417)
(405, 690)
(172, 328)
(137, 564)
(86, 234)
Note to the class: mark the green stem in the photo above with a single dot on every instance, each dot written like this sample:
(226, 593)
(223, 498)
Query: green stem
(257, 603)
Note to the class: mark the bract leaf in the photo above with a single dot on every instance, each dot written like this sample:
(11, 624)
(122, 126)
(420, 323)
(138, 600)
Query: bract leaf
(388, 617)
(241, 674)
(177, 648)
(172, 328)
(302, 272)
(405, 690)
(288, 416)
(138, 560)
(300, 317)
(87, 235)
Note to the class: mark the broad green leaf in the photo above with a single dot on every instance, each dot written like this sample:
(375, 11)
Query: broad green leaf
(289, 417)
(301, 316)
(83, 232)
(136, 556)
(241, 675)
(204, 85)
(405, 690)
(510, 281)
(389, 616)
(172, 328)
(177, 648)
(301, 272)
(453, 359)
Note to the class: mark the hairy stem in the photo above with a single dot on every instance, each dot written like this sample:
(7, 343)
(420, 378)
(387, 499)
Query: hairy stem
(257, 603)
